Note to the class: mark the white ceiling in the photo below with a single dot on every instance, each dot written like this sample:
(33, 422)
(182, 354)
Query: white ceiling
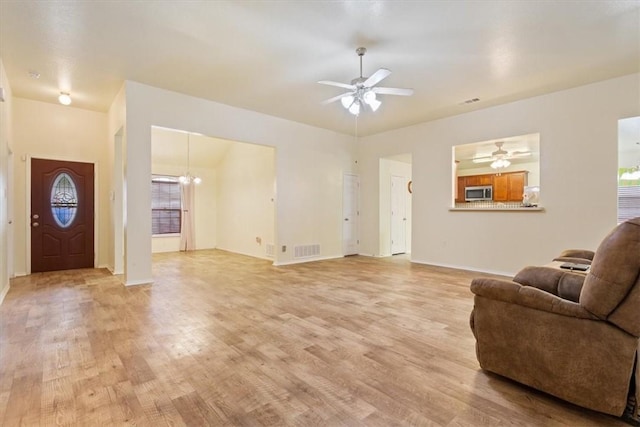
(170, 147)
(267, 56)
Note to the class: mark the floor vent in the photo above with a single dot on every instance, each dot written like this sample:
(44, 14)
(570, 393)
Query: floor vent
(305, 251)
(271, 249)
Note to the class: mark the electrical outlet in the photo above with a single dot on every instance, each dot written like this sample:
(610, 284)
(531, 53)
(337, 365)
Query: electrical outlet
(259, 240)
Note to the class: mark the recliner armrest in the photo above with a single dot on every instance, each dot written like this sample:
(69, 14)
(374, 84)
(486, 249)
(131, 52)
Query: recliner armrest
(573, 259)
(528, 296)
(577, 253)
(564, 284)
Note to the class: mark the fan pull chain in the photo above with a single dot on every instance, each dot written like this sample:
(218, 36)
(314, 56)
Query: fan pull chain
(356, 131)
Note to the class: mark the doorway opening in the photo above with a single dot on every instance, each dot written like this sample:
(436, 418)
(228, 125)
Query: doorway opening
(233, 204)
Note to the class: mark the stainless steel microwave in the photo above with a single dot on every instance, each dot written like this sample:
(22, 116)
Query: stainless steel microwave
(474, 194)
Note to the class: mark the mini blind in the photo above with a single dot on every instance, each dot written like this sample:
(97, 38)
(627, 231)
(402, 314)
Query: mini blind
(165, 205)
(628, 202)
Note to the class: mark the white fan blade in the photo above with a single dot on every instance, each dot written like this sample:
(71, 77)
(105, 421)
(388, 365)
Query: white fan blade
(376, 77)
(342, 85)
(483, 159)
(520, 154)
(392, 91)
(335, 98)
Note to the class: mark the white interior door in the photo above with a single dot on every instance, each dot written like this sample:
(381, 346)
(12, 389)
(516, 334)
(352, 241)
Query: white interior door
(9, 200)
(398, 215)
(350, 188)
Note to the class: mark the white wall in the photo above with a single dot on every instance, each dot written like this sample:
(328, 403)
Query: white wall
(388, 168)
(52, 131)
(246, 199)
(116, 152)
(310, 163)
(6, 230)
(578, 132)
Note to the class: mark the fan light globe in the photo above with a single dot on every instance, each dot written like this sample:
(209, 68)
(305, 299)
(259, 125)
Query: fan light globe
(369, 97)
(355, 108)
(347, 101)
(500, 163)
(374, 104)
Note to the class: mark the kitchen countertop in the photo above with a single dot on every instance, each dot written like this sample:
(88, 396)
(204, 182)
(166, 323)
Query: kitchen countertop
(497, 209)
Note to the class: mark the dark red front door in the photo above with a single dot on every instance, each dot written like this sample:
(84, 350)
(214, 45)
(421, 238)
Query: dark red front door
(61, 215)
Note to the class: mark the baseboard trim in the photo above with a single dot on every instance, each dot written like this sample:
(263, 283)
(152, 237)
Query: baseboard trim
(111, 270)
(266, 258)
(139, 282)
(4, 293)
(464, 267)
(305, 260)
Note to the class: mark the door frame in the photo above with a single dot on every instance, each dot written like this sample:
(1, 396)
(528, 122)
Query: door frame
(96, 200)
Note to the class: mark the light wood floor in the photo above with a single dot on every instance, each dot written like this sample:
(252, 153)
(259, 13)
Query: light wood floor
(223, 339)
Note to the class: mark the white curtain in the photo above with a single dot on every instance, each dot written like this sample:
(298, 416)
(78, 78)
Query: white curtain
(188, 228)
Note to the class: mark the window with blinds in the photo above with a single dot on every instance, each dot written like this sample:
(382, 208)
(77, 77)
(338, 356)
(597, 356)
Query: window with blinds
(628, 202)
(165, 205)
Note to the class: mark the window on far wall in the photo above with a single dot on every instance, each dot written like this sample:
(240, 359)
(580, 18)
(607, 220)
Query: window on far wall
(628, 197)
(165, 205)
(628, 168)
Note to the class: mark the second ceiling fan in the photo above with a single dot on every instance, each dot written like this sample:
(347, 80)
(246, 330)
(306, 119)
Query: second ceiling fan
(363, 91)
(500, 153)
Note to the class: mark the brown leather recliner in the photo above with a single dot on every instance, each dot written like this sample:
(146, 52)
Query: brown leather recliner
(571, 336)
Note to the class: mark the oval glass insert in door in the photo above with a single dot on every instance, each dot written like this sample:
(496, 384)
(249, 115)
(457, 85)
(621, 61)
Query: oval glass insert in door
(64, 200)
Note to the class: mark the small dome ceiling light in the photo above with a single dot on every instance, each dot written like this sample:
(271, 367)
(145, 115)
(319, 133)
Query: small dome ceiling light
(64, 98)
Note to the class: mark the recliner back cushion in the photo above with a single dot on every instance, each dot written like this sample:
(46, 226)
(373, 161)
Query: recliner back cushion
(615, 270)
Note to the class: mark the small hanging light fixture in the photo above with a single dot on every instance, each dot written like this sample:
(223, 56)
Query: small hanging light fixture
(64, 98)
(187, 178)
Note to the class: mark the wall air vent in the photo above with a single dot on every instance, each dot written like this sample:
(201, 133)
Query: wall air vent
(306, 251)
(271, 249)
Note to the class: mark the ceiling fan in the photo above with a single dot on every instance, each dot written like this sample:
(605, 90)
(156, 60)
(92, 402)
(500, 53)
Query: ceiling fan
(363, 90)
(500, 154)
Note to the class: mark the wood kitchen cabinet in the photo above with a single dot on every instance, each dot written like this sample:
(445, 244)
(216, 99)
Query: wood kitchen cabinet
(501, 188)
(476, 180)
(507, 186)
(460, 189)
